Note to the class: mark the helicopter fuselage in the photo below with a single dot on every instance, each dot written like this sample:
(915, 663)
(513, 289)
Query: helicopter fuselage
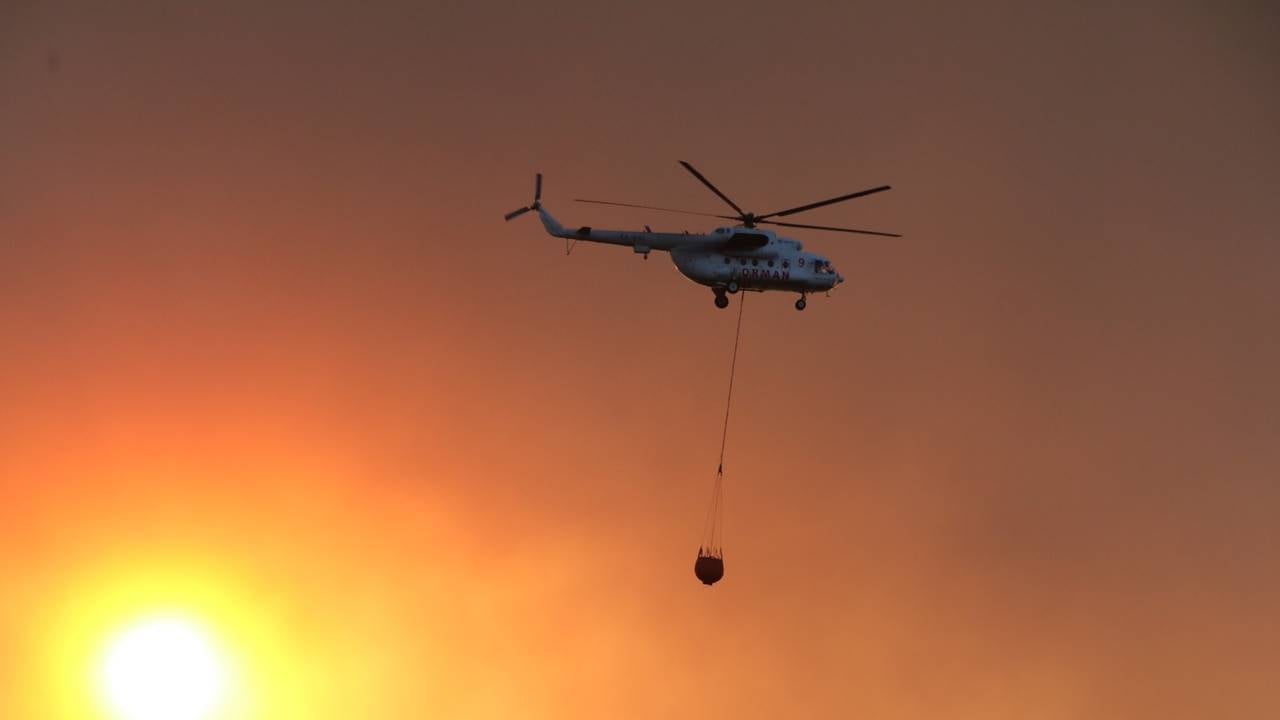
(785, 269)
(728, 258)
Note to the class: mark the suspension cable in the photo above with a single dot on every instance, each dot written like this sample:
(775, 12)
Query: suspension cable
(733, 366)
(712, 527)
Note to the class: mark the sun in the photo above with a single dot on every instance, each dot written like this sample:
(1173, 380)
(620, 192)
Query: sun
(162, 668)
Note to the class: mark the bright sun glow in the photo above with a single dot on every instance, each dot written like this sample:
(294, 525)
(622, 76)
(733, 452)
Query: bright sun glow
(162, 669)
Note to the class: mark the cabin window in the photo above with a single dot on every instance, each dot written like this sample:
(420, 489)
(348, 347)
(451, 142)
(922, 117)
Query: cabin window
(727, 259)
(754, 262)
(786, 263)
(770, 263)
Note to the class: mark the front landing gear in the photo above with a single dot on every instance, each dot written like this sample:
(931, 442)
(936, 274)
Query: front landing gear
(800, 303)
(722, 302)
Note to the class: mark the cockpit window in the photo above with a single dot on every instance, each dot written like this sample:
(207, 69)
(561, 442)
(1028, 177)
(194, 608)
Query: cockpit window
(823, 267)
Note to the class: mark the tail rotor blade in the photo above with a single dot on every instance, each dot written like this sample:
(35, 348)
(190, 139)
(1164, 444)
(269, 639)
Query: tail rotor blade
(537, 198)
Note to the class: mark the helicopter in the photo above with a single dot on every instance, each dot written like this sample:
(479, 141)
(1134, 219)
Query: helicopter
(728, 259)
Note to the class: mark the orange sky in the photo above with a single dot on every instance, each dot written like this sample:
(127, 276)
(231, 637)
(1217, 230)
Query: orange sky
(270, 353)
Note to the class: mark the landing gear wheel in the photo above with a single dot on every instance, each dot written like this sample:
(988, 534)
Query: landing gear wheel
(732, 287)
(722, 302)
(800, 303)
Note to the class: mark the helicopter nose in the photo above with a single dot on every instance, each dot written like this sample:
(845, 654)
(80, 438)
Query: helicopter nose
(839, 278)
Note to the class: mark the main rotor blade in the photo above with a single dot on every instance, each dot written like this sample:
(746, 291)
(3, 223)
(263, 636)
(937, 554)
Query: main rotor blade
(825, 227)
(516, 213)
(650, 207)
(832, 201)
(537, 188)
(714, 189)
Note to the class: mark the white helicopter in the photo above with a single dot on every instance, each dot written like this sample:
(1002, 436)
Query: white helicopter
(727, 259)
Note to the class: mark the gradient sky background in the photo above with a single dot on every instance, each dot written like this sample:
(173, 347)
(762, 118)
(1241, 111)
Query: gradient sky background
(271, 355)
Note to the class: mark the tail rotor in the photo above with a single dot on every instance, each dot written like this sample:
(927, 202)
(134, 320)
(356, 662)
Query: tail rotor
(537, 197)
